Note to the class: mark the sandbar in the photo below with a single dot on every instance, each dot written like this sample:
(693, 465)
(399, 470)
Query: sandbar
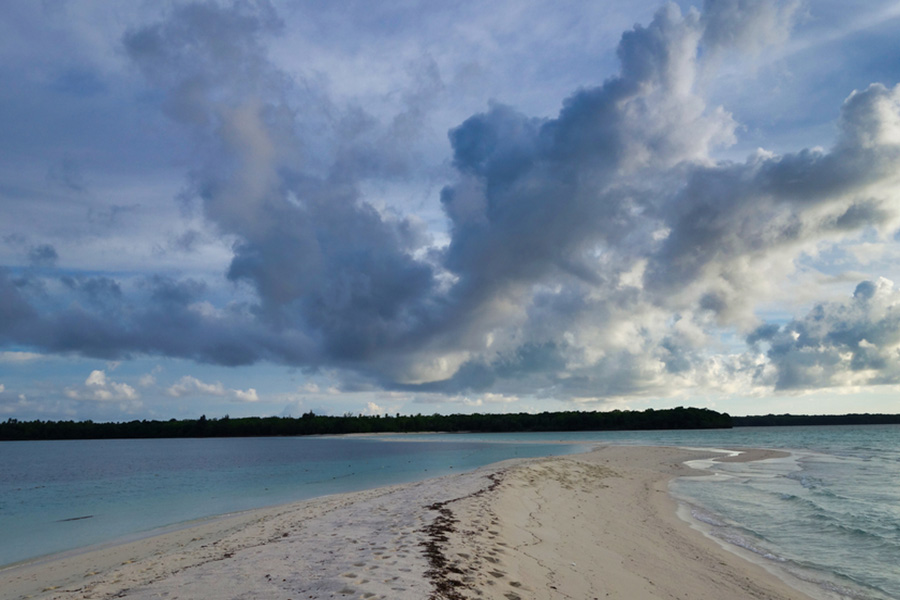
(594, 525)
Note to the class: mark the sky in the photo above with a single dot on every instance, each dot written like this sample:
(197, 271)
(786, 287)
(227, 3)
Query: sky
(269, 208)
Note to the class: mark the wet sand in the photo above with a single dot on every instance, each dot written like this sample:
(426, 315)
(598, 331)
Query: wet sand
(597, 525)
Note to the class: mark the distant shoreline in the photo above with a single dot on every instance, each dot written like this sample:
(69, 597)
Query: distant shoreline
(815, 420)
(311, 424)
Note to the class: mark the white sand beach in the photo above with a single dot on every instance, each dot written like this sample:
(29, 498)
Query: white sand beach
(597, 525)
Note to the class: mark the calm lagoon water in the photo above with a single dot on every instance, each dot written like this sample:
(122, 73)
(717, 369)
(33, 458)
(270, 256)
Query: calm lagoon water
(829, 514)
(61, 495)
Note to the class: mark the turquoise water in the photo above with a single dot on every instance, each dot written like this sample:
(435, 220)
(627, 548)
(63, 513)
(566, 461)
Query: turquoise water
(828, 514)
(62, 495)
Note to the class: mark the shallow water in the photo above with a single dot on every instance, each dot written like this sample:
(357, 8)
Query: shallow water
(60, 495)
(829, 515)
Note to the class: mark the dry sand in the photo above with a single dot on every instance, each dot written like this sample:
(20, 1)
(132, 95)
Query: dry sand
(599, 525)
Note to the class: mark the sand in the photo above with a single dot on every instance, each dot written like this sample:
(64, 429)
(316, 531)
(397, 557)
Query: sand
(597, 525)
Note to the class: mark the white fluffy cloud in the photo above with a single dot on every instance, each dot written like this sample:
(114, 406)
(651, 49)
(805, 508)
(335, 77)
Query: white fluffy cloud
(191, 386)
(374, 409)
(249, 395)
(188, 385)
(100, 388)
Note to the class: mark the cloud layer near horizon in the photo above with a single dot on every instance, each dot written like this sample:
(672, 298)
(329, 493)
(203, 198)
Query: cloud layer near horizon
(601, 253)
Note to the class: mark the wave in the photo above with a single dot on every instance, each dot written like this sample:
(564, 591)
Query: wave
(835, 581)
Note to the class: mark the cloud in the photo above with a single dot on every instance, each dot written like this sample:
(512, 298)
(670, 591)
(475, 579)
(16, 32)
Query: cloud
(746, 26)
(848, 343)
(600, 253)
(98, 387)
(731, 224)
(556, 216)
(43, 255)
(67, 174)
(374, 409)
(20, 357)
(191, 386)
(591, 194)
(188, 386)
(324, 263)
(246, 396)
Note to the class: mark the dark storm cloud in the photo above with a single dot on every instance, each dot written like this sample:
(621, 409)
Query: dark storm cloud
(99, 291)
(322, 260)
(531, 366)
(566, 199)
(332, 276)
(43, 255)
(548, 196)
(592, 254)
(99, 321)
(15, 311)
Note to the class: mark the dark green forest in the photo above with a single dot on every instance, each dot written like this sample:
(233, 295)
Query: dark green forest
(794, 420)
(312, 424)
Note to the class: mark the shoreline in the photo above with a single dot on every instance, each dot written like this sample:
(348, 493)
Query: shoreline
(597, 525)
(518, 529)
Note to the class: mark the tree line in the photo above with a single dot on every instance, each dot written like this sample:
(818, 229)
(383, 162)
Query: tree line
(786, 420)
(313, 424)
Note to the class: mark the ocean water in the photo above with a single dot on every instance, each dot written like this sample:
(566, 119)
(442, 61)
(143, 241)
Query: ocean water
(827, 516)
(62, 495)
